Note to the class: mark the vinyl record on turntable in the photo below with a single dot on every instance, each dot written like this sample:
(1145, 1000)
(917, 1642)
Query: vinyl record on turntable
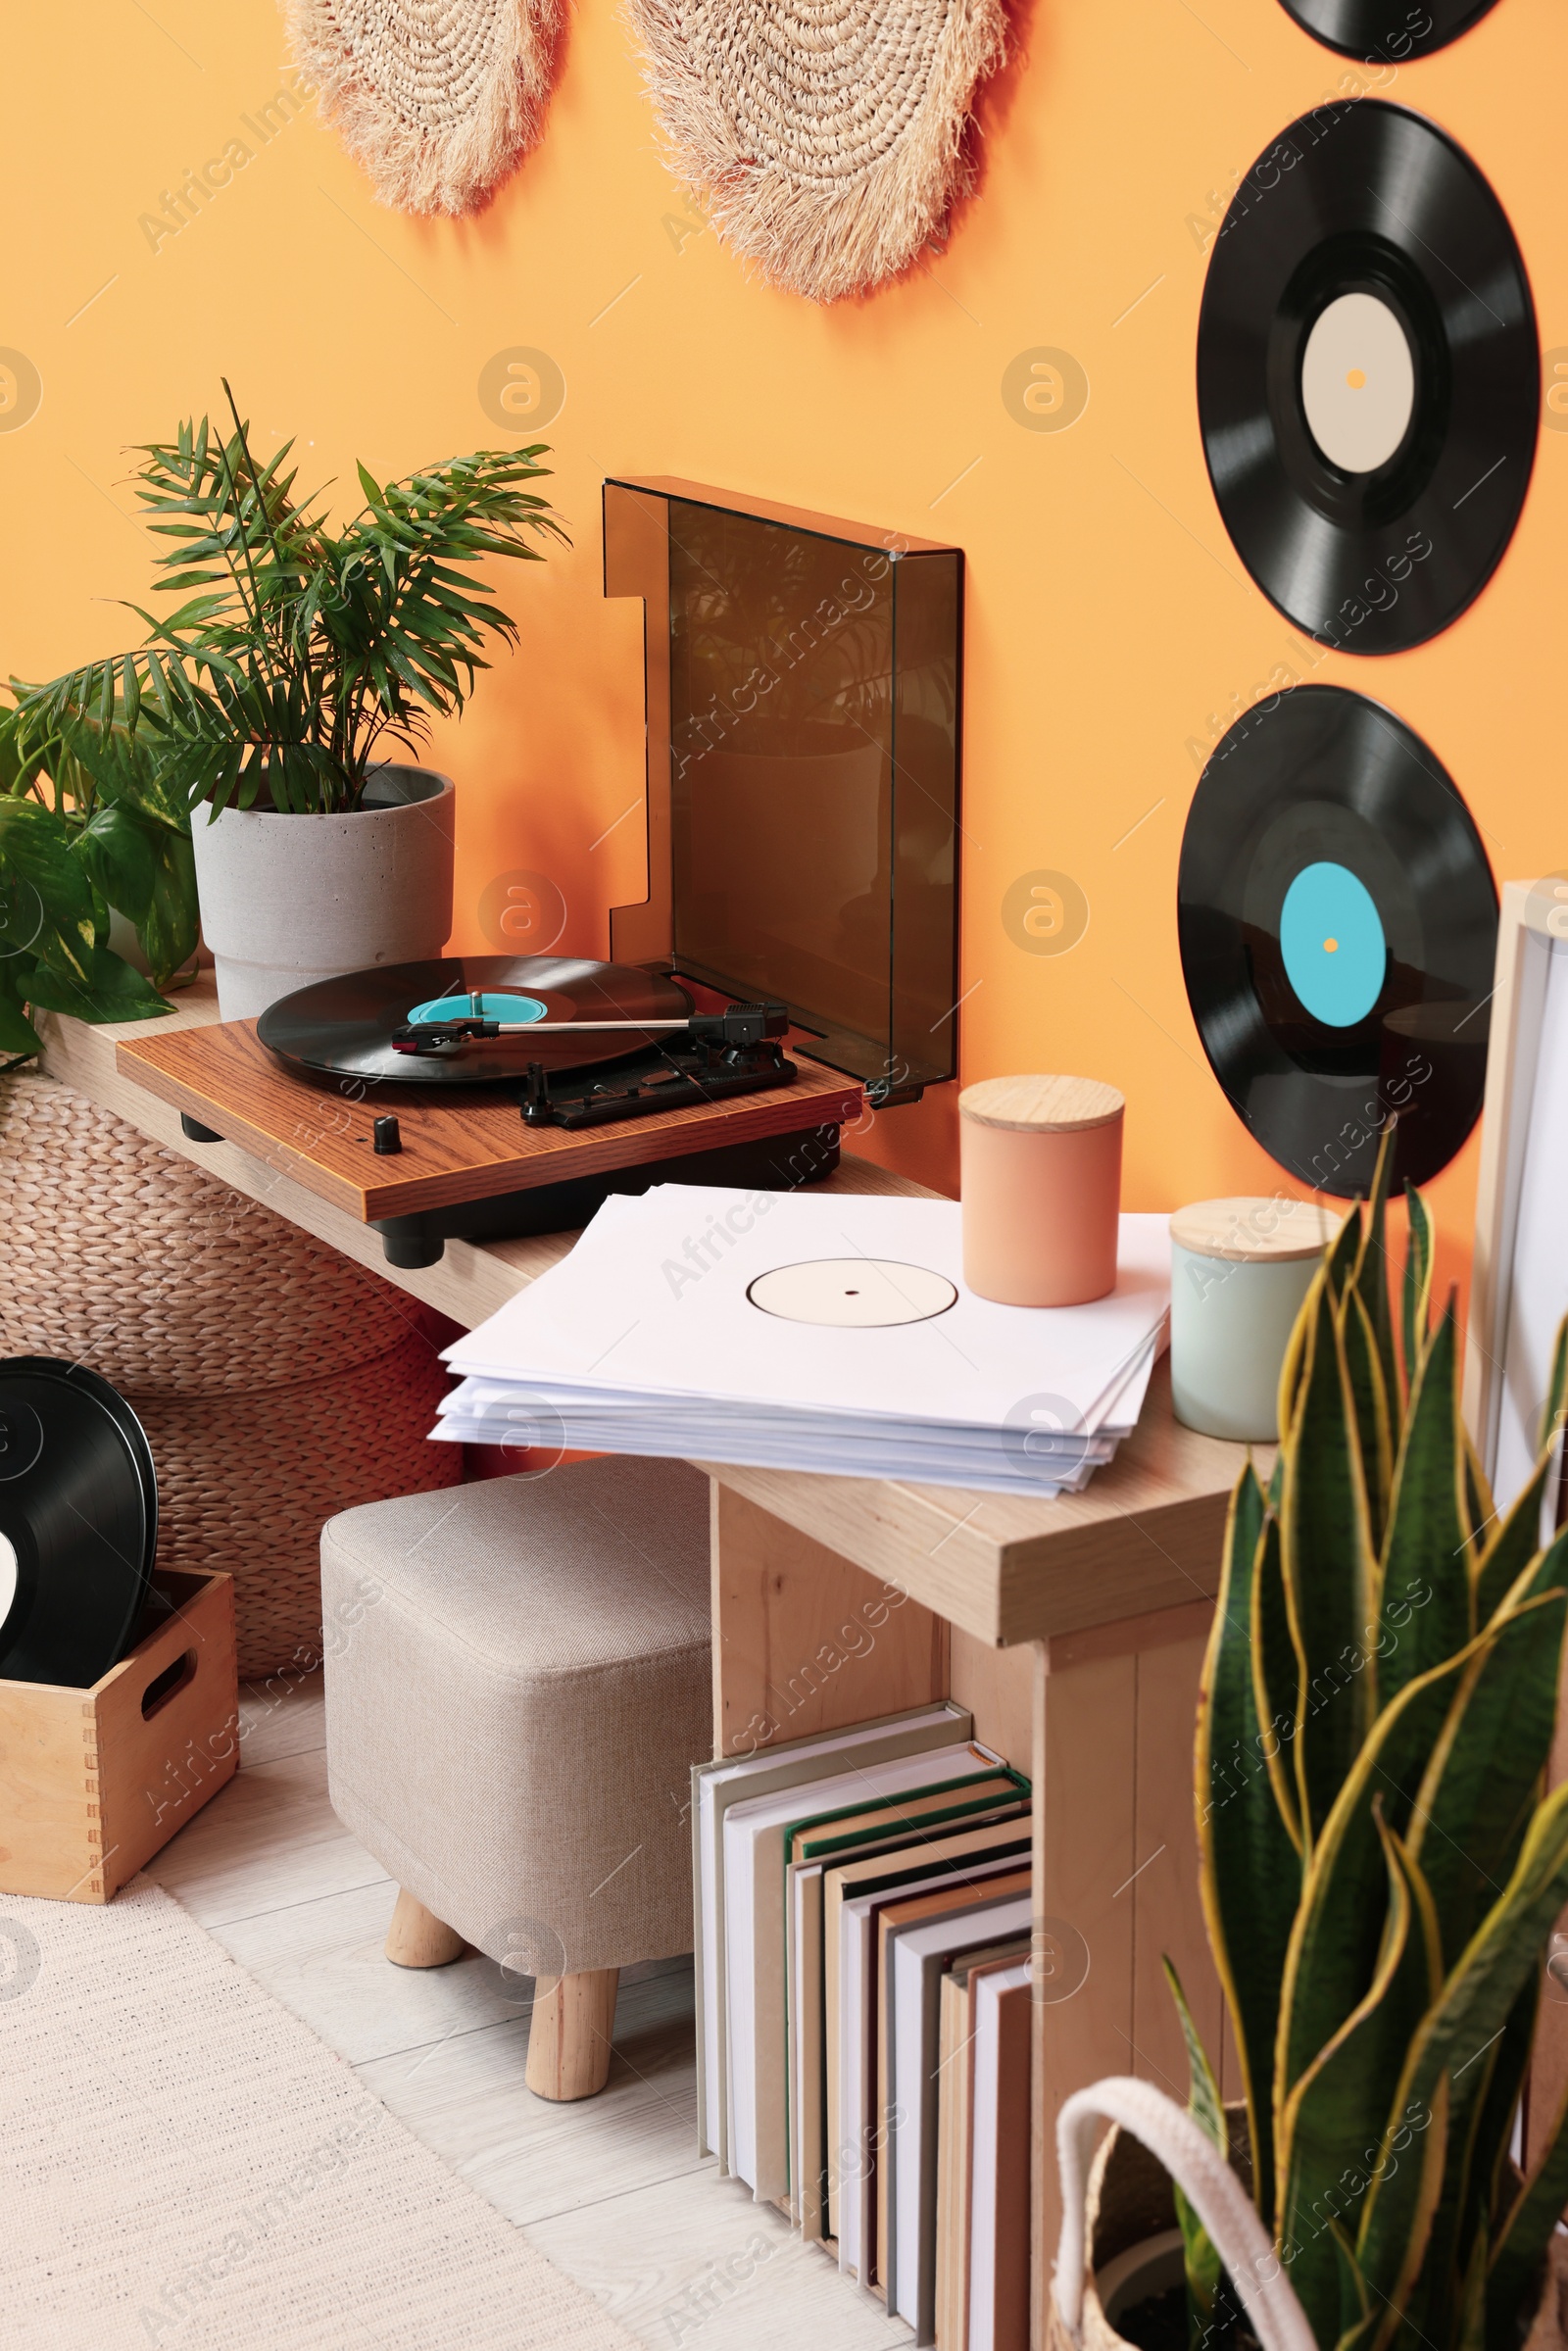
(1337, 923)
(1368, 376)
(78, 1523)
(1386, 29)
(345, 1027)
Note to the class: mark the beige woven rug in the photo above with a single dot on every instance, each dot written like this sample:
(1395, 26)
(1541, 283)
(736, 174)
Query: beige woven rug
(437, 100)
(185, 2165)
(828, 136)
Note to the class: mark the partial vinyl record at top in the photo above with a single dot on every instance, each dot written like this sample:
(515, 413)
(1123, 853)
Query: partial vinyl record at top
(1388, 30)
(1368, 376)
(78, 1523)
(1339, 923)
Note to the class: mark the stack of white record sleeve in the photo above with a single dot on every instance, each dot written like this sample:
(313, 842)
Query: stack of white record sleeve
(817, 1331)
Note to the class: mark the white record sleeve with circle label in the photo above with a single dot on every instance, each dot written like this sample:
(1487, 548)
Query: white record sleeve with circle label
(660, 1298)
(852, 1293)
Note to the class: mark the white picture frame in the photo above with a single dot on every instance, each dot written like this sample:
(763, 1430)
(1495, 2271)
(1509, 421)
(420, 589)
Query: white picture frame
(1519, 1281)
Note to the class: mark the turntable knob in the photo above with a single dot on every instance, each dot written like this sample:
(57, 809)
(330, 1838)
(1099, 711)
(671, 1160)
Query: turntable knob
(388, 1136)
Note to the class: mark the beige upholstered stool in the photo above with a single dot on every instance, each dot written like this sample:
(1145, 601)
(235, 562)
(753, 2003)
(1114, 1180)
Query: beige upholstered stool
(516, 1689)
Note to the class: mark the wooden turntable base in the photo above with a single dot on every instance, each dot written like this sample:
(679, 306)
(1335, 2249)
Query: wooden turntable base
(464, 1145)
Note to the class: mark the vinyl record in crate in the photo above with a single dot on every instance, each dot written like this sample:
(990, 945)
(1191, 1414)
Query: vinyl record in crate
(78, 1523)
(345, 1027)
(1338, 923)
(1387, 28)
(1368, 376)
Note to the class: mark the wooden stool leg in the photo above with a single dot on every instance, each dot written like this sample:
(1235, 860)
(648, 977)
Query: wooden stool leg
(569, 2037)
(416, 1937)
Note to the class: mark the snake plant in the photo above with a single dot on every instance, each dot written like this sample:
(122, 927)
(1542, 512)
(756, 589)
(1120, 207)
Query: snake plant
(1380, 1862)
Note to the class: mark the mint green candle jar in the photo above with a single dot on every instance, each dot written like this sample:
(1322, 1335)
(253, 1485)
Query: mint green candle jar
(1240, 1270)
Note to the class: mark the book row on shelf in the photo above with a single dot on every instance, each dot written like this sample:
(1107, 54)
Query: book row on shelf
(862, 1938)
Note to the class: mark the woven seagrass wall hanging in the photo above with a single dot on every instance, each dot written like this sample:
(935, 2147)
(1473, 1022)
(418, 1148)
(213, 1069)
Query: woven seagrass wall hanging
(437, 100)
(828, 136)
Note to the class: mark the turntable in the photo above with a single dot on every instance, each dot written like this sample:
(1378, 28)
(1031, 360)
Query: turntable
(796, 950)
(408, 1098)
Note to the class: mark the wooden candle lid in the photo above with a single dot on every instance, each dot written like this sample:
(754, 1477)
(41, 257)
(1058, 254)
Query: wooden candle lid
(1258, 1231)
(1042, 1105)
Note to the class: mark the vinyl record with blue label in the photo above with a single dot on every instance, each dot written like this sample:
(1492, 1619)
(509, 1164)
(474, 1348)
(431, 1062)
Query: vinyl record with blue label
(1368, 376)
(78, 1523)
(1337, 923)
(344, 1027)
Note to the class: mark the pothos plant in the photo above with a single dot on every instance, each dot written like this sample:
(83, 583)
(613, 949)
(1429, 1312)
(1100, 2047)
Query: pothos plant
(87, 823)
(298, 655)
(1380, 1862)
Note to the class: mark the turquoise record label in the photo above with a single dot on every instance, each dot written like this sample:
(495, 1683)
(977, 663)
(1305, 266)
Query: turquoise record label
(1331, 938)
(490, 1007)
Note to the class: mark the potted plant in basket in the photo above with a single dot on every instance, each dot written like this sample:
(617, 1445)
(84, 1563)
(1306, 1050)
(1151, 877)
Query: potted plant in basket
(1381, 1867)
(272, 695)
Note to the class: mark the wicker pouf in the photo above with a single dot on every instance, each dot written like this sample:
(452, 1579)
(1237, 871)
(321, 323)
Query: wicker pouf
(279, 1383)
(122, 1254)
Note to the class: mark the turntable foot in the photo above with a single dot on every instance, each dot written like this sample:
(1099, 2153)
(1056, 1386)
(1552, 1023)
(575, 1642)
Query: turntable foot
(408, 1243)
(194, 1132)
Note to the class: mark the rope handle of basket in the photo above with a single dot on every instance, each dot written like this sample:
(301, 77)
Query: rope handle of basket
(1205, 2178)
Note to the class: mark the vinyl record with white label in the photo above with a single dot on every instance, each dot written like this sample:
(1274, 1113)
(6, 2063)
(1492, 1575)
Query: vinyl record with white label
(1387, 29)
(1368, 376)
(1337, 923)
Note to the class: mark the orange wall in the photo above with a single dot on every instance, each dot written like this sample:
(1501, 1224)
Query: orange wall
(1110, 621)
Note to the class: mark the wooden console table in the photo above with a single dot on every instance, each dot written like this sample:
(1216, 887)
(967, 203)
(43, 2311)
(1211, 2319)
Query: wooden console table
(1074, 1630)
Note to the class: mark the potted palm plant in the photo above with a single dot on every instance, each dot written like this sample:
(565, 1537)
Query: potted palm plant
(268, 702)
(1381, 1864)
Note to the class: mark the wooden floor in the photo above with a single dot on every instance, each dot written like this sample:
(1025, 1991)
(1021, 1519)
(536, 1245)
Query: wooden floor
(611, 2188)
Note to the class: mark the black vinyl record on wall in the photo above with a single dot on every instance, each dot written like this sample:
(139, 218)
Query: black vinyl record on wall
(1395, 30)
(1368, 376)
(1337, 923)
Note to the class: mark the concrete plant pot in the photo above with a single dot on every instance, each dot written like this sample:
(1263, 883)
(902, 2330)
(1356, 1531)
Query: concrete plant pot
(289, 900)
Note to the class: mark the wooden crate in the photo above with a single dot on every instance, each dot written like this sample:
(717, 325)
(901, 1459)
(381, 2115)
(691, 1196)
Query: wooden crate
(93, 1782)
